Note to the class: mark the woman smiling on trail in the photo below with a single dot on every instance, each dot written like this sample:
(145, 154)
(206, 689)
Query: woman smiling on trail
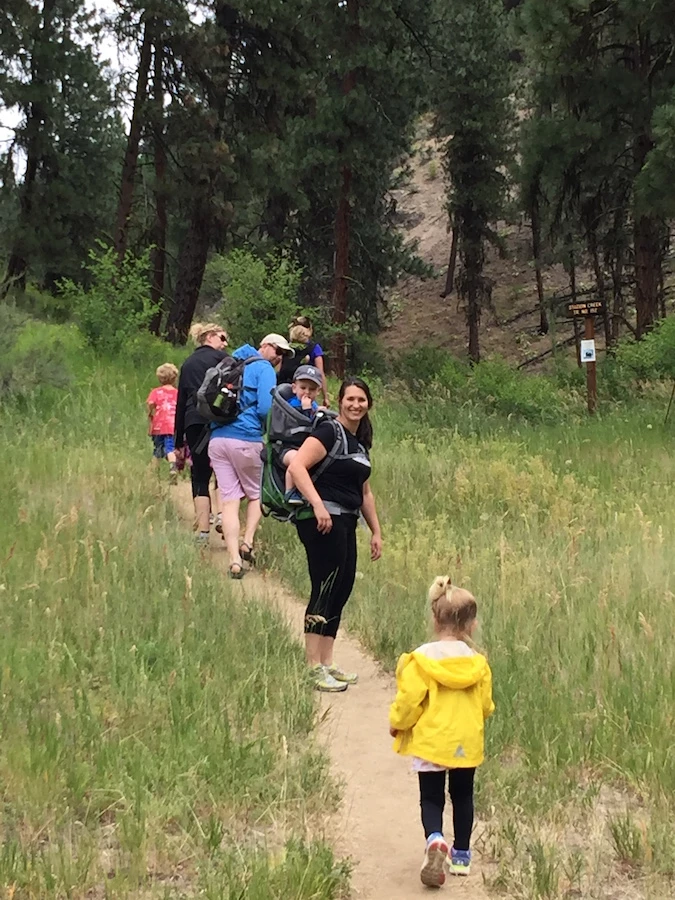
(328, 532)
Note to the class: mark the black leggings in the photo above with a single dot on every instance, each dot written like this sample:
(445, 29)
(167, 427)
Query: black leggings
(201, 464)
(331, 559)
(432, 802)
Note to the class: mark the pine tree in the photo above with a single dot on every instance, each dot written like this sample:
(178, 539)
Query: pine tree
(68, 137)
(470, 89)
(604, 71)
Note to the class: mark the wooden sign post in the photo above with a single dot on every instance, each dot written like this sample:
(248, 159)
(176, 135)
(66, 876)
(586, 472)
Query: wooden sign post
(588, 309)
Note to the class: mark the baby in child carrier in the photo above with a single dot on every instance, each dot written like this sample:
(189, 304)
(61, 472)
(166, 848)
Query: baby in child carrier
(307, 383)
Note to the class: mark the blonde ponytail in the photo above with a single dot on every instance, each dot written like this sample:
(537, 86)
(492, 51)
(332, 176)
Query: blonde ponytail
(453, 608)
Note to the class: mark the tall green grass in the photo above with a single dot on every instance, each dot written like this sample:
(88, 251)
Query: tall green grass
(565, 534)
(153, 726)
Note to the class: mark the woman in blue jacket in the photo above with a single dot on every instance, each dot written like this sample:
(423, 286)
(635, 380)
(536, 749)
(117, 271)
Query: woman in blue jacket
(234, 449)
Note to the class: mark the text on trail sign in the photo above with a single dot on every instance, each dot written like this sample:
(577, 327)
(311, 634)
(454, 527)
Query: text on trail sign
(585, 308)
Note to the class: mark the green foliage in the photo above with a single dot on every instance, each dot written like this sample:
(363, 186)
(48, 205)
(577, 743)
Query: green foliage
(420, 366)
(42, 304)
(534, 398)
(33, 355)
(117, 304)
(653, 357)
(71, 137)
(259, 295)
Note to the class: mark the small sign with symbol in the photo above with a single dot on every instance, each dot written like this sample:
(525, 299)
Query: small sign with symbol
(587, 351)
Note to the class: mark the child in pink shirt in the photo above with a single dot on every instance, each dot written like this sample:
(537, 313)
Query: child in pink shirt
(161, 405)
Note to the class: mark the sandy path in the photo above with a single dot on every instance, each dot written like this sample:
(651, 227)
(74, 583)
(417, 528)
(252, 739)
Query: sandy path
(378, 824)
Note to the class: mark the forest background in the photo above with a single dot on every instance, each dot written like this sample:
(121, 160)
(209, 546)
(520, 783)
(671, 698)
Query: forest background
(254, 155)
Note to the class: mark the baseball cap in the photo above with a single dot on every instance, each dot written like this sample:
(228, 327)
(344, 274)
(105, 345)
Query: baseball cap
(278, 341)
(308, 373)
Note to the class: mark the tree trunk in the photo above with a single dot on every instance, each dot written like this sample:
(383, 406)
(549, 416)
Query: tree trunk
(341, 273)
(647, 272)
(158, 255)
(191, 264)
(535, 222)
(37, 136)
(573, 295)
(133, 141)
(452, 265)
(342, 218)
(600, 285)
(472, 291)
(617, 290)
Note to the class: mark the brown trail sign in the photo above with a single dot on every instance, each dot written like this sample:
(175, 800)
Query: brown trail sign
(587, 309)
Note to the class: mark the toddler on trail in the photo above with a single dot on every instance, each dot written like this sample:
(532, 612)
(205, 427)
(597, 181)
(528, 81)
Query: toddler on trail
(161, 406)
(307, 382)
(444, 696)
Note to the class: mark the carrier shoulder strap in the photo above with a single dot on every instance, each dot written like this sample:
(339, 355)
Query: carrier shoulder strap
(339, 448)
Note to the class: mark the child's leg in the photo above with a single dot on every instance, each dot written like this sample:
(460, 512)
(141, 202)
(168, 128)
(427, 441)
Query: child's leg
(432, 801)
(460, 782)
(286, 460)
(170, 450)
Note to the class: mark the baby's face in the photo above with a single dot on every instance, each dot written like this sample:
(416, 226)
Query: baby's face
(305, 388)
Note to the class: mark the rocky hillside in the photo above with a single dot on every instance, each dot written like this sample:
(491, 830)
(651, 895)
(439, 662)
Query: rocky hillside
(420, 316)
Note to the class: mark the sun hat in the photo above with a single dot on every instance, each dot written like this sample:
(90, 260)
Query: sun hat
(278, 341)
(308, 373)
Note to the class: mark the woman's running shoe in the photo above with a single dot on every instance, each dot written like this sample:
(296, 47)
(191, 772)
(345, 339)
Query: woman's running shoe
(324, 681)
(340, 675)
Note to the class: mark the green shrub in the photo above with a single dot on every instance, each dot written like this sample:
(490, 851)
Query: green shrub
(33, 354)
(653, 356)
(420, 366)
(258, 295)
(117, 305)
(453, 375)
(145, 350)
(43, 304)
(533, 398)
(367, 356)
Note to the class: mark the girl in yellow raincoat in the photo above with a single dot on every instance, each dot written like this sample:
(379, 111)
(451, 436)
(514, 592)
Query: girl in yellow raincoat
(444, 696)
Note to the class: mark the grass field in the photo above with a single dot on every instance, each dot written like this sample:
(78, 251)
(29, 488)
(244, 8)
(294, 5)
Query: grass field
(153, 730)
(153, 737)
(565, 535)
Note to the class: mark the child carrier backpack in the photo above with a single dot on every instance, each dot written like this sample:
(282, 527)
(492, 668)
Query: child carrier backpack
(218, 397)
(287, 428)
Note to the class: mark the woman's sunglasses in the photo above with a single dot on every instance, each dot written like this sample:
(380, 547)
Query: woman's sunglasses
(223, 338)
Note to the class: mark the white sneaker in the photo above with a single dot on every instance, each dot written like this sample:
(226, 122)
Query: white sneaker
(432, 873)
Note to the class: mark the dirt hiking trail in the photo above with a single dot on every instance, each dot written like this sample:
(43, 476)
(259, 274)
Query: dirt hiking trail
(377, 825)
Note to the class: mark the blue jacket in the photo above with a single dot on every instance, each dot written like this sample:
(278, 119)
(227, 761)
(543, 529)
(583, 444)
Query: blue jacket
(256, 398)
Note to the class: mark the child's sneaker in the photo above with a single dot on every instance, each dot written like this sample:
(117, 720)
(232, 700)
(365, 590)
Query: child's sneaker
(324, 681)
(460, 862)
(294, 497)
(432, 873)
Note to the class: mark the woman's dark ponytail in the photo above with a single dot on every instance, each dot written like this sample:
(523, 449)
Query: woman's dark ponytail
(364, 433)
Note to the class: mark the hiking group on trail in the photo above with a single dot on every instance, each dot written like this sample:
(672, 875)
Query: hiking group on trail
(268, 442)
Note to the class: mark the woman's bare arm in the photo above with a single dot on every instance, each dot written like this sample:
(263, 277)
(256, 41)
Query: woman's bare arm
(310, 454)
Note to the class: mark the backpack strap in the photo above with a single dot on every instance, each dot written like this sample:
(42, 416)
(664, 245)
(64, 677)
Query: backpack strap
(339, 448)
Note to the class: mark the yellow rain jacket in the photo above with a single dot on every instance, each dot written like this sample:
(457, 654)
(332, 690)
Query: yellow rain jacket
(440, 708)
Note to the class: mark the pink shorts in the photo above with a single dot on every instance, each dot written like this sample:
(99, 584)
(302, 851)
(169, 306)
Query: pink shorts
(237, 465)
